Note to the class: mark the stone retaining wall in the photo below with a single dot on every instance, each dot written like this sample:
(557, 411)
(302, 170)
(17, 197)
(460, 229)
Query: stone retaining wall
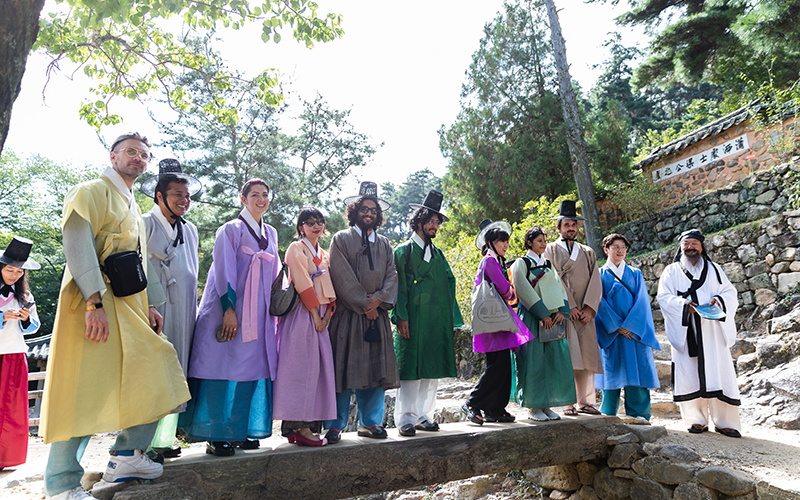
(759, 195)
(759, 257)
(639, 468)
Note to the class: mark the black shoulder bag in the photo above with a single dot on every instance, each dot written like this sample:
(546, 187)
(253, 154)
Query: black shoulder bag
(125, 271)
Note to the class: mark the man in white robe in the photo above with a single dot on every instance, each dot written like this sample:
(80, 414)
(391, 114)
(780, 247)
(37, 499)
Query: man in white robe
(704, 379)
(172, 248)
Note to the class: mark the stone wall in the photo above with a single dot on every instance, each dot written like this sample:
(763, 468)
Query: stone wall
(757, 196)
(759, 257)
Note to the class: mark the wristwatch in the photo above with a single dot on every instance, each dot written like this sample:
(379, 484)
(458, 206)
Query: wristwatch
(96, 305)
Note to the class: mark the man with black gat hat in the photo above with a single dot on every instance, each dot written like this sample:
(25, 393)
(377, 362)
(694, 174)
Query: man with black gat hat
(172, 248)
(704, 377)
(109, 367)
(426, 314)
(576, 265)
(365, 280)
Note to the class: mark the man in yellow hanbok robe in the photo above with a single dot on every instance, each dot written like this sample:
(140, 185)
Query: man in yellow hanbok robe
(102, 343)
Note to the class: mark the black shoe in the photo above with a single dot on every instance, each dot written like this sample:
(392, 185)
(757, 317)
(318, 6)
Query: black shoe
(247, 444)
(373, 431)
(731, 433)
(172, 452)
(220, 449)
(333, 436)
(473, 415)
(698, 429)
(503, 418)
(407, 430)
(155, 456)
(427, 425)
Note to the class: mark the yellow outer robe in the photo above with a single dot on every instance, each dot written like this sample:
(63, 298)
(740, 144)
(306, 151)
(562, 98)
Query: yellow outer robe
(132, 379)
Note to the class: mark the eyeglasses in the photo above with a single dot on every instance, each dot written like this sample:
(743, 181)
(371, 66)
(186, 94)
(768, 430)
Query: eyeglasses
(618, 248)
(314, 222)
(133, 153)
(368, 210)
(435, 222)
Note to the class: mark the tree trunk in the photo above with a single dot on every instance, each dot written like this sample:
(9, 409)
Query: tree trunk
(19, 27)
(575, 140)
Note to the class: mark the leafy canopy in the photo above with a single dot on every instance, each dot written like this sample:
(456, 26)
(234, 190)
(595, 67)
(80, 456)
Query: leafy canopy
(130, 48)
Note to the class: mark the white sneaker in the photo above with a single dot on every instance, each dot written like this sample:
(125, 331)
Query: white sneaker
(74, 494)
(137, 466)
(551, 414)
(538, 415)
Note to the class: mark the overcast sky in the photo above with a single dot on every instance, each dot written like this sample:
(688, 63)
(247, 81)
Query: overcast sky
(399, 68)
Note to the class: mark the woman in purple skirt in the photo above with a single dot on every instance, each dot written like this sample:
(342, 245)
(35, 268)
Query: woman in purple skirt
(234, 352)
(305, 390)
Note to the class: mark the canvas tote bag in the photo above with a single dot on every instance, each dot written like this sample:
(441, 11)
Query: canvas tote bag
(489, 311)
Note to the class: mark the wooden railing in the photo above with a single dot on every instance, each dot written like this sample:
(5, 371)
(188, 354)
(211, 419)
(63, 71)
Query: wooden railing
(36, 395)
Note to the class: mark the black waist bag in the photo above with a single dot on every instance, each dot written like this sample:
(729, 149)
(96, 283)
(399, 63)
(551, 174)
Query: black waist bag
(125, 271)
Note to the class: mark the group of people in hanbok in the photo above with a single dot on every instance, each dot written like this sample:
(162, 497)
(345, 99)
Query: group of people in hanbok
(575, 327)
(558, 360)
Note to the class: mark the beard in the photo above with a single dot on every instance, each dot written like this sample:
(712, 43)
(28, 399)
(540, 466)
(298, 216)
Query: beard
(364, 225)
(691, 256)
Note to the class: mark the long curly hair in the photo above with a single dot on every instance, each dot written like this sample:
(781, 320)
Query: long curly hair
(352, 211)
(420, 217)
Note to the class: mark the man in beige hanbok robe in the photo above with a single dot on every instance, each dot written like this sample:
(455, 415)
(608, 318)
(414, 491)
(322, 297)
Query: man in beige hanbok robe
(576, 264)
(109, 367)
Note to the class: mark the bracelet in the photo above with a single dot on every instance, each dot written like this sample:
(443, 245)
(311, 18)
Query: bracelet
(96, 305)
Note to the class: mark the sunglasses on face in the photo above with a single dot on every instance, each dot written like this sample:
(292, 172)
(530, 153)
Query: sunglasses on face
(314, 222)
(133, 153)
(368, 210)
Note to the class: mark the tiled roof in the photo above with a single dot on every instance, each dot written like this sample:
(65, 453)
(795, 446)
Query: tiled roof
(713, 128)
(39, 347)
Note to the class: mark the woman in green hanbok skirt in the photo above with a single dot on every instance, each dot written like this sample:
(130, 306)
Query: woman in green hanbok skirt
(542, 368)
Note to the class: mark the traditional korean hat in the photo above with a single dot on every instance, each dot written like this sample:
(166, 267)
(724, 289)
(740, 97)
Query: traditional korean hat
(169, 167)
(567, 210)
(694, 234)
(487, 225)
(17, 253)
(433, 202)
(368, 189)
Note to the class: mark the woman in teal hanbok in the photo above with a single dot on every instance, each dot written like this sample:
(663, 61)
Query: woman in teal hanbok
(544, 376)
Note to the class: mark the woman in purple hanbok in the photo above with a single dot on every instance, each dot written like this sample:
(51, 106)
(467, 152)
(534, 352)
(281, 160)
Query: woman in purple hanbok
(234, 353)
(487, 402)
(305, 390)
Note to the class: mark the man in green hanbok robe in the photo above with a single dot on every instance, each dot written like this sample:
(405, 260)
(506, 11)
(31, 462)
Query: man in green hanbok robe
(543, 366)
(426, 314)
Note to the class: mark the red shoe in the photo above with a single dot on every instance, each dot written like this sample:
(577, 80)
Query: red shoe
(291, 438)
(304, 441)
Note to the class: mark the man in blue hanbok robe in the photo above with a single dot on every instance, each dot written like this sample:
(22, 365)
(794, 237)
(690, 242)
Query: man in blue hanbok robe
(625, 334)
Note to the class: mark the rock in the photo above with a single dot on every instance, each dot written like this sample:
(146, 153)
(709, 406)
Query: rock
(586, 472)
(588, 493)
(756, 212)
(623, 455)
(624, 473)
(107, 491)
(787, 323)
(771, 354)
(556, 477)
(662, 470)
(609, 487)
(679, 452)
(746, 253)
(756, 268)
(693, 491)
(746, 362)
(726, 480)
(89, 479)
(767, 491)
(643, 488)
(622, 439)
(780, 267)
(559, 495)
(767, 197)
(764, 296)
(734, 271)
(787, 254)
(647, 434)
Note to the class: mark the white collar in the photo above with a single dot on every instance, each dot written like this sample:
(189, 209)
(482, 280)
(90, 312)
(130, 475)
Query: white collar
(575, 248)
(314, 251)
(619, 271)
(371, 236)
(251, 221)
(159, 216)
(123, 188)
(421, 243)
(491, 253)
(538, 259)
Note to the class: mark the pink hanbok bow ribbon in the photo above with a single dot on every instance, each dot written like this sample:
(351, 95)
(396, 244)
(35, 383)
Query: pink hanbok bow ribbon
(250, 302)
